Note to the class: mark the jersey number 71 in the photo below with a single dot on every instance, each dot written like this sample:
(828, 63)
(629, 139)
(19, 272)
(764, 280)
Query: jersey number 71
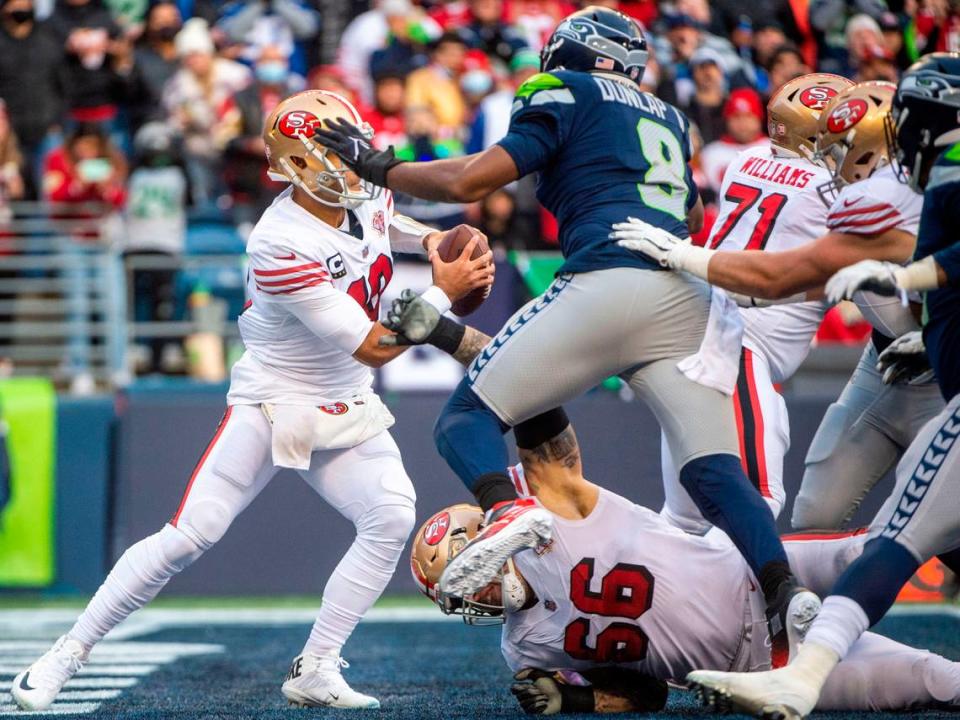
(626, 592)
(745, 197)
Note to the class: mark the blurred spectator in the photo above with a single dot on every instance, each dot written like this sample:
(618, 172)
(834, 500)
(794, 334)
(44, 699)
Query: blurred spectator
(156, 225)
(287, 24)
(405, 48)
(428, 139)
(30, 58)
(155, 61)
(710, 93)
(331, 78)
(786, 63)
(767, 38)
(493, 117)
(829, 19)
(487, 31)
(197, 102)
(96, 73)
(245, 161)
(893, 39)
(743, 113)
(436, 86)
(476, 80)
(876, 64)
(536, 19)
(370, 31)
(676, 82)
(387, 115)
(87, 168)
(11, 162)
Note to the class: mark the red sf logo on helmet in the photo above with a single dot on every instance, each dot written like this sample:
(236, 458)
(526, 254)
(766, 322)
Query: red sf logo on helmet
(817, 97)
(846, 115)
(298, 122)
(436, 528)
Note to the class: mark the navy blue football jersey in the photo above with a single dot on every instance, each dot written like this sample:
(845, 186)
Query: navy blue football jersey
(938, 237)
(605, 152)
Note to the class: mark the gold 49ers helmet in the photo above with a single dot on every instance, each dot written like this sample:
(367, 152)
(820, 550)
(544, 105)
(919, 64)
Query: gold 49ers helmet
(437, 541)
(851, 139)
(793, 112)
(297, 158)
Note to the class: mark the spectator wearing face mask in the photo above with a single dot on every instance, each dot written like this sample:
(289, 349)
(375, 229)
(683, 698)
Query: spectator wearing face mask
(31, 88)
(743, 115)
(288, 24)
(493, 116)
(829, 19)
(96, 73)
(245, 171)
(197, 101)
(155, 61)
(87, 168)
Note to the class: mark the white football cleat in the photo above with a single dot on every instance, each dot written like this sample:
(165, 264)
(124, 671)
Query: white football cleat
(315, 681)
(38, 686)
(784, 694)
(518, 525)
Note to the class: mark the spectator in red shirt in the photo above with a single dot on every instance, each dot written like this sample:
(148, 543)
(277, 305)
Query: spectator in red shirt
(389, 104)
(87, 168)
(743, 113)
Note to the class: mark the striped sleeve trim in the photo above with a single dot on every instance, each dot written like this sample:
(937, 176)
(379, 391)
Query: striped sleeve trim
(867, 220)
(283, 281)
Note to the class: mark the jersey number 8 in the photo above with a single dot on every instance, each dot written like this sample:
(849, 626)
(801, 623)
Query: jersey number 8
(627, 592)
(664, 187)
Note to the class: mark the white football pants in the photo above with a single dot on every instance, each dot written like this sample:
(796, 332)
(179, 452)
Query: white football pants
(367, 484)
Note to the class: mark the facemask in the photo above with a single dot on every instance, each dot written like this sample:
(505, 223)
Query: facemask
(20, 16)
(271, 73)
(166, 33)
(476, 82)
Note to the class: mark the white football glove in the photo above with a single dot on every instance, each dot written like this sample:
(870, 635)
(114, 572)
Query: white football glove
(662, 246)
(872, 275)
(905, 361)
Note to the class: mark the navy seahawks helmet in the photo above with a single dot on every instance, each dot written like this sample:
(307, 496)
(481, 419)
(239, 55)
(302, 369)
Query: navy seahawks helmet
(597, 39)
(925, 116)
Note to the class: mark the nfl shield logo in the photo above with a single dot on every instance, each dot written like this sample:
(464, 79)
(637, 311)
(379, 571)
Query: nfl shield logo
(378, 223)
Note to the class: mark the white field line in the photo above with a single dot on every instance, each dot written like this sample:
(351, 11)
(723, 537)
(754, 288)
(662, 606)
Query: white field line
(121, 670)
(11, 710)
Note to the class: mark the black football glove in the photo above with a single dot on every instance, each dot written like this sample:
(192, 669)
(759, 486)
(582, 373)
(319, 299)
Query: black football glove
(346, 140)
(905, 361)
(541, 692)
(417, 322)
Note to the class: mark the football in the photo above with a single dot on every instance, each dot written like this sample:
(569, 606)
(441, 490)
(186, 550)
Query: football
(449, 249)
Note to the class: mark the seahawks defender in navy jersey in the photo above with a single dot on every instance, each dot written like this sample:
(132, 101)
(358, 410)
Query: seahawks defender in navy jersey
(922, 516)
(605, 152)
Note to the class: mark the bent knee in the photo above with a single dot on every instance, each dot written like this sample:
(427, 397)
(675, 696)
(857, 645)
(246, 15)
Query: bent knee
(177, 547)
(205, 521)
(389, 523)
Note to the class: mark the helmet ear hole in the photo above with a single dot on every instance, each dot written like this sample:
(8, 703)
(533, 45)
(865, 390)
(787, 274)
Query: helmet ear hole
(865, 158)
(298, 161)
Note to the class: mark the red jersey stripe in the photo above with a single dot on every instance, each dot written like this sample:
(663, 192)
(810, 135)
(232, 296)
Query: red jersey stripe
(863, 210)
(817, 535)
(293, 289)
(203, 458)
(861, 222)
(287, 271)
(292, 280)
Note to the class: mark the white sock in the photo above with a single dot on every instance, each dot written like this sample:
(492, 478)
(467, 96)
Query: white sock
(838, 626)
(140, 573)
(359, 579)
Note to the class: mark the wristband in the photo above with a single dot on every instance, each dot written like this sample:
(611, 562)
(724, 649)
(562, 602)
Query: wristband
(437, 298)
(691, 259)
(921, 275)
(447, 335)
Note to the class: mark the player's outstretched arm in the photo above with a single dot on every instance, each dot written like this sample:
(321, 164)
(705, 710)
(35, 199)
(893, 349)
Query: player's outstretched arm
(601, 690)
(464, 179)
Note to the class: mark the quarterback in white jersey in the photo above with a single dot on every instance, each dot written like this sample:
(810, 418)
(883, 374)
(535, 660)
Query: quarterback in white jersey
(619, 586)
(769, 200)
(300, 397)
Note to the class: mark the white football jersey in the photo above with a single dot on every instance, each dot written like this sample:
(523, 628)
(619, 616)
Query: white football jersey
(719, 155)
(625, 586)
(870, 207)
(771, 203)
(300, 265)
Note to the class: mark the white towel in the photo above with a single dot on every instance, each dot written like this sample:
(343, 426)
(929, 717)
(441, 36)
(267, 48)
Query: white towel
(299, 430)
(717, 363)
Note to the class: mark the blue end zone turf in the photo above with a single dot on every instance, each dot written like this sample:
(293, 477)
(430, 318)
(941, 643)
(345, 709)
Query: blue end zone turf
(437, 670)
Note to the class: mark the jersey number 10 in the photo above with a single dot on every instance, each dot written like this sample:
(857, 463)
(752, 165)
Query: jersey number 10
(367, 291)
(627, 592)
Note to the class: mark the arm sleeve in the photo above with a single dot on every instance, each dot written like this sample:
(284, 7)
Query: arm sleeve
(857, 214)
(406, 235)
(302, 285)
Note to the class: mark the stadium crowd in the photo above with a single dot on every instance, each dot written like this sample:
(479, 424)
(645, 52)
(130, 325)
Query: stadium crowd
(154, 107)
